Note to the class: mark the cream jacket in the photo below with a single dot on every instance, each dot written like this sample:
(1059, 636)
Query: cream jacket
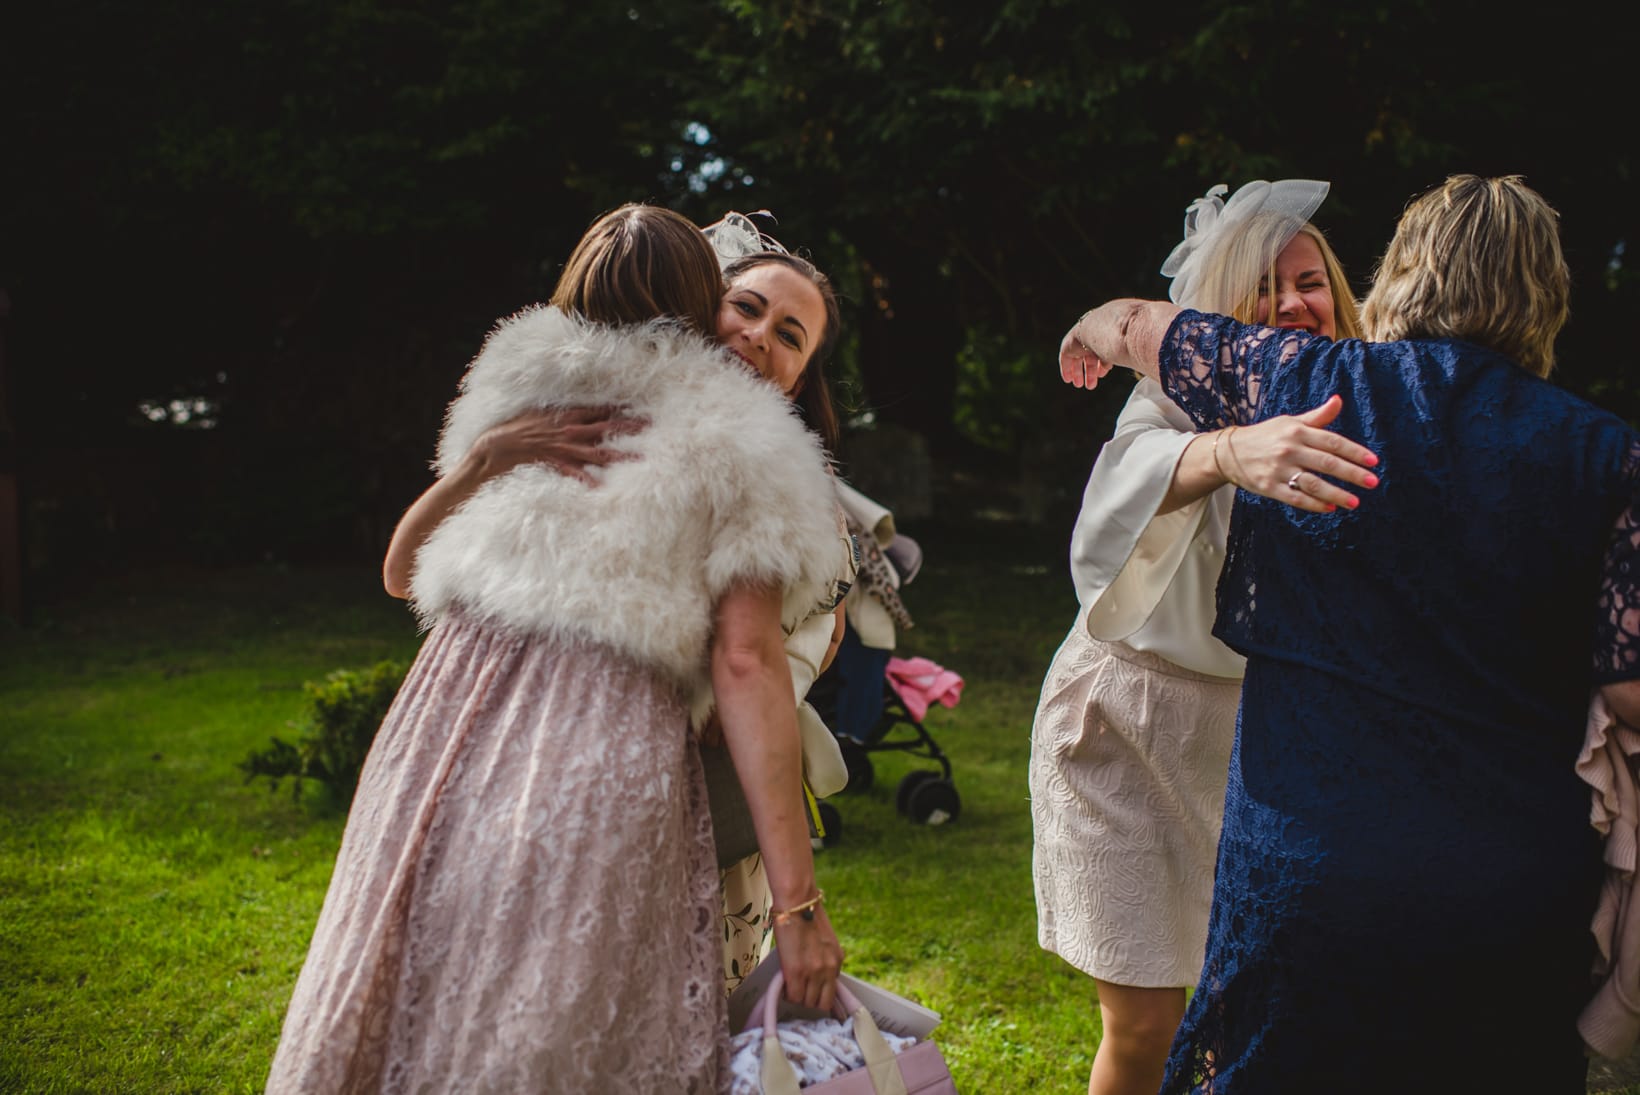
(1150, 579)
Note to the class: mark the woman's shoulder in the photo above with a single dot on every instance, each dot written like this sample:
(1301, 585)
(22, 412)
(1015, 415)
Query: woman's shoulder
(723, 405)
(541, 356)
(562, 357)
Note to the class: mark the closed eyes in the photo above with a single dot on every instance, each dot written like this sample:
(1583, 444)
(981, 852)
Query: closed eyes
(1303, 287)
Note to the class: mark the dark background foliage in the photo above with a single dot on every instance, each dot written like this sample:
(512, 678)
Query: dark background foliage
(248, 248)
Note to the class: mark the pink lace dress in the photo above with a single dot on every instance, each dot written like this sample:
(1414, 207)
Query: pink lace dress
(502, 858)
(526, 898)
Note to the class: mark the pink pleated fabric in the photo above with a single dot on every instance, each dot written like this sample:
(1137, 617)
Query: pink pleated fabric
(526, 897)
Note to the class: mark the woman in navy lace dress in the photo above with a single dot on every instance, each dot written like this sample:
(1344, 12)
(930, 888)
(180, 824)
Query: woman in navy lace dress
(1407, 871)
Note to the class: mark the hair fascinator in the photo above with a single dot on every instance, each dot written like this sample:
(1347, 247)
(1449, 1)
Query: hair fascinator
(735, 236)
(1211, 223)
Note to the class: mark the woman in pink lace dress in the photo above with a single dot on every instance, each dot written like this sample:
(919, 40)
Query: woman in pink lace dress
(526, 897)
(781, 316)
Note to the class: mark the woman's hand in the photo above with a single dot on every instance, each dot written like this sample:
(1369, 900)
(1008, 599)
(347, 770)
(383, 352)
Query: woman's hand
(839, 623)
(1285, 458)
(810, 958)
(566, 439)
(1079, 366)
(758, 711)
(1126, 332)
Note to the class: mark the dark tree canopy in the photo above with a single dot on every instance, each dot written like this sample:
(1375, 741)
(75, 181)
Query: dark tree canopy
(249, 248)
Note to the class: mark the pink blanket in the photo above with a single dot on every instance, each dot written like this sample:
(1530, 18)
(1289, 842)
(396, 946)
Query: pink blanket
(919, 682)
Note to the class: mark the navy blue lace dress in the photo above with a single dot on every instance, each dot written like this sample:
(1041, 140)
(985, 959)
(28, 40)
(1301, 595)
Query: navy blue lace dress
(1407, 871)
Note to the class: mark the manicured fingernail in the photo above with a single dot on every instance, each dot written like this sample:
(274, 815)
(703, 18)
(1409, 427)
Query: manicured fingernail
(1372, 480)
(1331, 507)
(1353, 502)
(1372, 460)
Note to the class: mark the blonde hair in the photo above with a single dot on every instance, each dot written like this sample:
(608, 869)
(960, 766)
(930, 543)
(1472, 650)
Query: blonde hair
(1477, 259)
(640, 262)
(1229, 282)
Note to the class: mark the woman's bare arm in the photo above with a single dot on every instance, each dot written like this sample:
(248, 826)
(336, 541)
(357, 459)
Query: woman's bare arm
(758, 712)
(1265, 457)
(836, 637)
(567, 439)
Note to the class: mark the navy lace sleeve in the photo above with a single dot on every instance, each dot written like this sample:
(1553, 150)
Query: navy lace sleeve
(1617, 619)
(1214, 368)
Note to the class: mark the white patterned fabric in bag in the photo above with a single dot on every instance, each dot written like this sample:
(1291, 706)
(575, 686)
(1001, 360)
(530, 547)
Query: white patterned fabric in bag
(818, 1049)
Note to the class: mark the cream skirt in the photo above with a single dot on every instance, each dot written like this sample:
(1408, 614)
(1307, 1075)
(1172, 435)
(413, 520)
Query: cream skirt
(1129, 755)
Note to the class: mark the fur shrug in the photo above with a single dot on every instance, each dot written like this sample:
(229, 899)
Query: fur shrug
(728, 485)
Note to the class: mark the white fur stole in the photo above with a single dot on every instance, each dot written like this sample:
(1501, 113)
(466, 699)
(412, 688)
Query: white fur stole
(728, 486)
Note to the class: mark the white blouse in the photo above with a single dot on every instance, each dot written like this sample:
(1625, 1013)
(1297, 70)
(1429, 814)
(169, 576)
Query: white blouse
(1149, 579)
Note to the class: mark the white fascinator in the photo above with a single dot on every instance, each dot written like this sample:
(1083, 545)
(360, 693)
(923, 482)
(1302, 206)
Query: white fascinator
(1211, 225)
(736, 236)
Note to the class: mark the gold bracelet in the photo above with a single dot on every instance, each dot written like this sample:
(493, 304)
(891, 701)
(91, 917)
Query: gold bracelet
(805, 910)
(1223, 435)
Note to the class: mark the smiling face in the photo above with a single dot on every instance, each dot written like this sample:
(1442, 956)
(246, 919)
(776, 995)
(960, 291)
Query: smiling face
(1302, 295)
(773, 318)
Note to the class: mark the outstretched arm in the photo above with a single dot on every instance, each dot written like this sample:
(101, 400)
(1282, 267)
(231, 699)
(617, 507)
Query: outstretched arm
(1125, 332)
(1283, 458)
(758, 713)
(566, 439)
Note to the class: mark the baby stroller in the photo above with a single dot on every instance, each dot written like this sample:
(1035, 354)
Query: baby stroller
(860, 695)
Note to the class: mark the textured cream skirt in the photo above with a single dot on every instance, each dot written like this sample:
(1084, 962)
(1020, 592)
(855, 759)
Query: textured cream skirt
(1129, 755)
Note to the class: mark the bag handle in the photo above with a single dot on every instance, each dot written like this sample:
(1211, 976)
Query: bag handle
(778, 1076)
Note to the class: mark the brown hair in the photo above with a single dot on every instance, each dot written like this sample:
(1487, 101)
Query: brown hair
(1477, 259)
(639, 262)
(813, 394)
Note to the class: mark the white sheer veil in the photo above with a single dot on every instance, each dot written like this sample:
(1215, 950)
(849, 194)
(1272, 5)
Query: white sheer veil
(1211, 223)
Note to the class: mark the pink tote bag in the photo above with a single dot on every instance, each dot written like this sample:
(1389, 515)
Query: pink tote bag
(917, 1070)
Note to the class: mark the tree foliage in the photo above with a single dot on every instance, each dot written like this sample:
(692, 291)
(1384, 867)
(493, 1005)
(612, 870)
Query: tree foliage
(1010, 165)
(301, 218)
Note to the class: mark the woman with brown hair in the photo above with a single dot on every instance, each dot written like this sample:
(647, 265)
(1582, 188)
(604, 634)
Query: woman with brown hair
(780, 317)
(526, 897)
(1407, 867)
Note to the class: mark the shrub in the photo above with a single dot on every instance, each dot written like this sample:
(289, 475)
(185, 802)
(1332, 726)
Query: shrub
(337, 728)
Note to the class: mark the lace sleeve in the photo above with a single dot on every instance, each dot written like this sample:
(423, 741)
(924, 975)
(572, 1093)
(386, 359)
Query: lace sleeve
(1617, 621)
(1214, 368)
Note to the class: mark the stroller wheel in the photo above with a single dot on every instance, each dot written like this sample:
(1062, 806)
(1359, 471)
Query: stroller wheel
(934, 802)
(912, 780)
(832, 822)
(861, 774)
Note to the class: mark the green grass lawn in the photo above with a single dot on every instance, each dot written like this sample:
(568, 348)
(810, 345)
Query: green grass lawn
(155, 909)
